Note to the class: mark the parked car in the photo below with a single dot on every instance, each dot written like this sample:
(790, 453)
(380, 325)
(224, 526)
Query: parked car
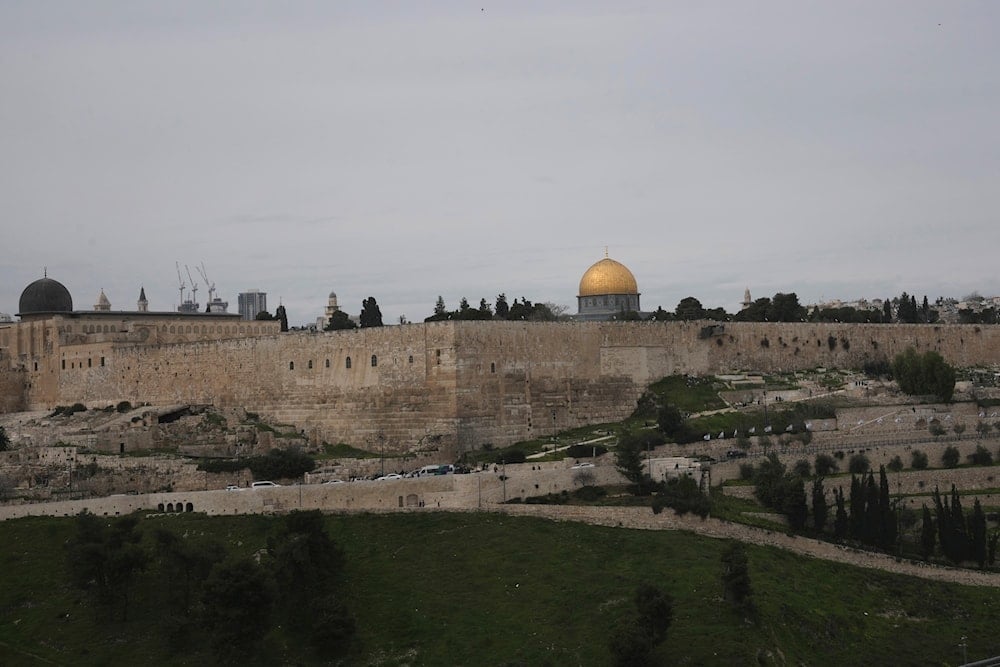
(334, 481)
(232, 487)
(389, 476)
(585, 464)
(265, 484)
(736, 454)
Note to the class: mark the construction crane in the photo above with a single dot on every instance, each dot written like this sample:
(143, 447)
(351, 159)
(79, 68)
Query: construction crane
(180, 282)
(208, 283)
(194, 287)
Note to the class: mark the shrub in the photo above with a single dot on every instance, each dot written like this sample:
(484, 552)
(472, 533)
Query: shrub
(981, 457)
(825, 465)
(682, 495)
(859, 464)
(802, 468)
(585, 451)
(896, 464)
(590, 493)
(950, 457)
(221, 465)
(511, 456)
(918, 460)
(123, 406)
(746, 471)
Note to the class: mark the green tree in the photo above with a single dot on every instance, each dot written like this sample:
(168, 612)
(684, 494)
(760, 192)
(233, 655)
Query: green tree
(825, 465)
(785, 308)
(183, 564)
(105, 558)
(237, 599)
(840, 522)
(736, 586)
(371, 315)
(950, 457)
(755, 312)
(689, 308)
(977, 535)
(281, 316)
(981, 457)
(801, 468)
(819, 507)
(896, 464)
(794, 502)
(768, 481)
(501, 309)
(340, 321)
(888, 521)
(921, 374)
(632, 643)
(629, 461)
(683, 495)
(858, 465)
(4, 440)
(927, 532)
(670, 420)
(918, 460)
(306, 565)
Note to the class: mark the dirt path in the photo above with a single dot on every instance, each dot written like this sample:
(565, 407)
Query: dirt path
(642, 518)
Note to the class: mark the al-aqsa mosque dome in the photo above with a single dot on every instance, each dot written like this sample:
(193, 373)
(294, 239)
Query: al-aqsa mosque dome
(607, 289)
(45, 296)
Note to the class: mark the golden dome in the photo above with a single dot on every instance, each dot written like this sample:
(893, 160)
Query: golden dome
(608, 277)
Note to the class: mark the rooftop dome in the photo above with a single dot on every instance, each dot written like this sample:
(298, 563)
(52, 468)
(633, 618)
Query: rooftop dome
(45, 296)
(608, 277)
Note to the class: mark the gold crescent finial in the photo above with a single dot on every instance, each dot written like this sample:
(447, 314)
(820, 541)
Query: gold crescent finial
(605, 252)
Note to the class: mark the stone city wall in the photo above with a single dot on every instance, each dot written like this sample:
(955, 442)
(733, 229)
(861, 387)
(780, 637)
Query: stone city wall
(13, 387)
(452, 386)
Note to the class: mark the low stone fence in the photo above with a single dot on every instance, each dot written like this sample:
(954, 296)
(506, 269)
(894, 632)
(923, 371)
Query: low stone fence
(474, 490)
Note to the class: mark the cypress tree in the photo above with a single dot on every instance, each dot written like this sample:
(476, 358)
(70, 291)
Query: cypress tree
(856, 509)
(887, 513)
(819, 505)
(927, 535)
(840, 520)
(870, 527)
(977, 530)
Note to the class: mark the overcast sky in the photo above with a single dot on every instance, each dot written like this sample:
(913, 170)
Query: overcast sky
(405, 150)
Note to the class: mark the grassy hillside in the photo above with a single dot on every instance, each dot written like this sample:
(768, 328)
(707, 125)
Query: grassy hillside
(485, 589)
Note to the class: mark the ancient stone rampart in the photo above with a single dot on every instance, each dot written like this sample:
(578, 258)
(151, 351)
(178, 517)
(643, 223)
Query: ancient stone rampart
(451, 386)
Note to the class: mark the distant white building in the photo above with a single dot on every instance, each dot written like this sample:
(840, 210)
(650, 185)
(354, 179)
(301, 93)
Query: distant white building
(5, 318)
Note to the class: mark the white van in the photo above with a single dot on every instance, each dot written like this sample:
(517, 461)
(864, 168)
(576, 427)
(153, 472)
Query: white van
(263, 485)
(435, 469)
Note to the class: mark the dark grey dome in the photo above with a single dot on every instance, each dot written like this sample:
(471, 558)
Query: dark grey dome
(45, 296)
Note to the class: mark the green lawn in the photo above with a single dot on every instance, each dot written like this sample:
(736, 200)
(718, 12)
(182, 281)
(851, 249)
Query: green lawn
(485, 589)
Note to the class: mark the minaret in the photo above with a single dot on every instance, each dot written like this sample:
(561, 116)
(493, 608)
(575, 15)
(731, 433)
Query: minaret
(102, 302)
(142, 304)
(746, 299)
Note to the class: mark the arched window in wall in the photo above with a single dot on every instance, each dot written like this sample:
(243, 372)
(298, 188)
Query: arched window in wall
(374, 361)
(310, 364)
(291, 365)
(327, 363)
(347, 362)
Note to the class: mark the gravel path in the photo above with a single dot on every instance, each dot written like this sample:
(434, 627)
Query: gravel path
(642, 518)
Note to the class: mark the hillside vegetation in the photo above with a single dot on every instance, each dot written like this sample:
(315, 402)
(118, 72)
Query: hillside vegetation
(486, 589)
